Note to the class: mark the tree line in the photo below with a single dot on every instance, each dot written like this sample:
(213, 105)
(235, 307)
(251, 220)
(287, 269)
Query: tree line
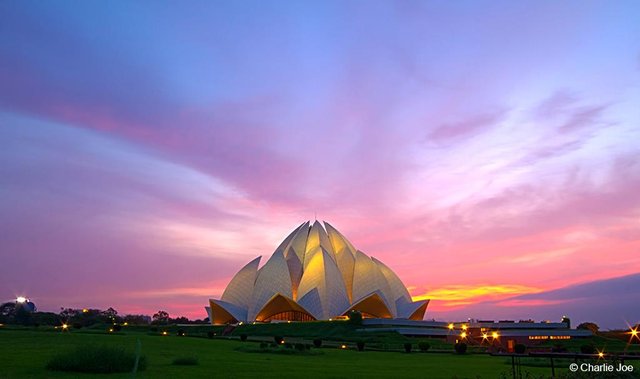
(16, 313)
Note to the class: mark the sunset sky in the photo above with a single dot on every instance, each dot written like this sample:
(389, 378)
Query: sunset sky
(487, 151)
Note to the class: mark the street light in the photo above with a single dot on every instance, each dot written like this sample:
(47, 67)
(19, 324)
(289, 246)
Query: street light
(21, 299)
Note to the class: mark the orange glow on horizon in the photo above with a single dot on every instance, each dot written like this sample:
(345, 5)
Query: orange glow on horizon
(460, 295)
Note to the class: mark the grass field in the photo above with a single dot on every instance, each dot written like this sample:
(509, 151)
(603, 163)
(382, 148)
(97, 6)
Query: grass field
(24, 354)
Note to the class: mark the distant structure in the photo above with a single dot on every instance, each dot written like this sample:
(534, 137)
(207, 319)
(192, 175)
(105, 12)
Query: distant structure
(505, 334)
(315, 274)
(20, 304)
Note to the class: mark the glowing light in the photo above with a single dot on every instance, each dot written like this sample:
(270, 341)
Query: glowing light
(65, 326)
(634, 333)
(464, 327)
(164, 333)
(463, 334)
(495, 335)
(21, 299)
(343, 346)
(125, 324)
(85, 310)
(451, 326)
(485, 336)
(600, 354)
(111, 330)
(281, 342)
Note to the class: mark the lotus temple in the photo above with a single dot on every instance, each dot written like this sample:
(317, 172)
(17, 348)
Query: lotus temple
(315, 274)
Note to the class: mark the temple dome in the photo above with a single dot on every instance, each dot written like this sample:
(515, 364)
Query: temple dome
(314, 274)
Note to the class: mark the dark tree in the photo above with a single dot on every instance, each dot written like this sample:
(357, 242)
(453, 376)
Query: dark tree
(69, 313)
(592, 326)
(23, 316)
(162, 317)
(7, 312)
(355, 318)
(181, 320)
(460, 347)
(136, 319)
(407, 347)
(110, 315)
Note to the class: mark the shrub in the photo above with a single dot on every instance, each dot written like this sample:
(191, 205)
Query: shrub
(185, 361)
(153, 329)
(278, 339)
(76, 325)
(210, 334)
(355, 318)
(360, 345)
(300, 346)
(317, 342)
(520, 348)
(592, 326)
(460, 347)
(181, 333)
(288, 345)
(243, 337)
(116, 327)
(588, 349)
(264, 345)
(96, 360)
(407, 347)
(424, 346)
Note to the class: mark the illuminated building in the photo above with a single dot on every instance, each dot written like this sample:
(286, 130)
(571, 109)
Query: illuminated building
(315, 274)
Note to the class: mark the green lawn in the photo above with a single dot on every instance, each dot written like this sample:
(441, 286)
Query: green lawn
(24, 353)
